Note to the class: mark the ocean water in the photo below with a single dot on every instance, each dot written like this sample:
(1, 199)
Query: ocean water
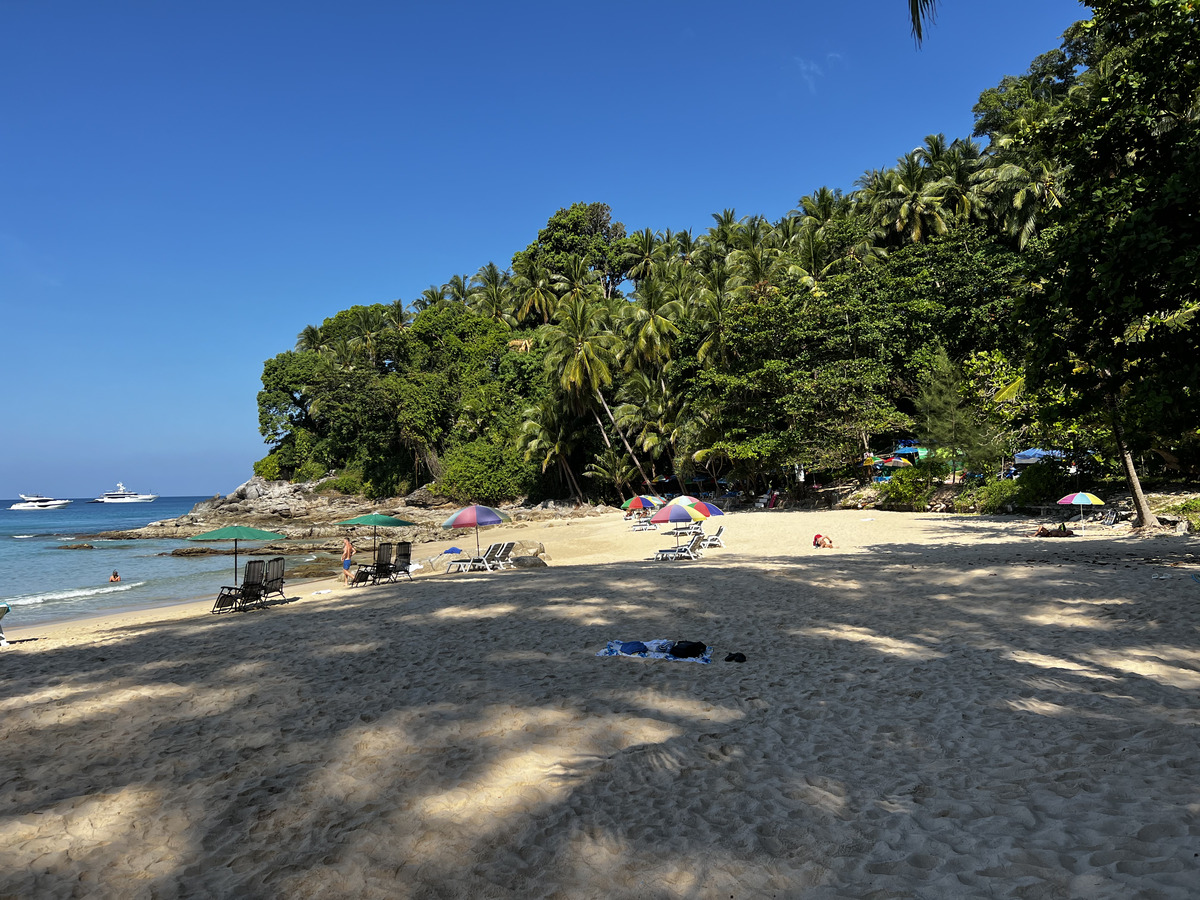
(43, 583)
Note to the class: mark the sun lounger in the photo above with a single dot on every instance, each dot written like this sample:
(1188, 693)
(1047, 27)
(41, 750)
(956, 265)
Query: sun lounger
(690, 550)
(248, 593)
(4, 610)
(643, 525)
(714, 539)
(472, 563)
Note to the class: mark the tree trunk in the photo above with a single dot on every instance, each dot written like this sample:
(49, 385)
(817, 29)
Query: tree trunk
(1140, 504)
(571, 482)
(624, 440)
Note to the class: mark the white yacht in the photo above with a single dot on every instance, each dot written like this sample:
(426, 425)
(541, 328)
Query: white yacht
(122, 495)
(37, 501)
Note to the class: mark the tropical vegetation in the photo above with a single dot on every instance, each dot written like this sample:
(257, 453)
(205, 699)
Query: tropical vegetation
(1032, 283)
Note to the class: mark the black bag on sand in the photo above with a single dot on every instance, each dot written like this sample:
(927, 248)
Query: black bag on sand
(688, 649)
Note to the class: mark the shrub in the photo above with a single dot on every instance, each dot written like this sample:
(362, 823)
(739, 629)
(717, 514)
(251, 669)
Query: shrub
(908, 489)
(310, 471)
(268, 467)
(1042, 482)
(481, 472)
(347, 483)
(1188, 509)
(990, 497)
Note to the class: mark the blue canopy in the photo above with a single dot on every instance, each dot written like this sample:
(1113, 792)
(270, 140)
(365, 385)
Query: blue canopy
(1026, 457)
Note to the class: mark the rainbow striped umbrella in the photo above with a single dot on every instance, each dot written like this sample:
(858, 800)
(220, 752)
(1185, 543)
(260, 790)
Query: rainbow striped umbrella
(641, 502)
(1081, 499)
(683, 500)
(707, 508)
(475, 517)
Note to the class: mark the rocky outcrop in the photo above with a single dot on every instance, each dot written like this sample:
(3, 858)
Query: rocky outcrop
(300, 511)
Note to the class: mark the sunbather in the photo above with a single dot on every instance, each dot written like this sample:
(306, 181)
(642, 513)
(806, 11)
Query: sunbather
(820, 541)
(1061, 531)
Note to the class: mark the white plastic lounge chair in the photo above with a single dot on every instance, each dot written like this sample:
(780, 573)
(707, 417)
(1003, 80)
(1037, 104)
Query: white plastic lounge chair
(690, 550)
(714, 539)
(471, 563)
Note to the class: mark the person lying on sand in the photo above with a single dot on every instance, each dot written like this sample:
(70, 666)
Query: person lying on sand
(821, 541)
(1061, 531)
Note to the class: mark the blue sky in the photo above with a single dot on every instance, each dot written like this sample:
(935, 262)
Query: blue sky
(184, 187)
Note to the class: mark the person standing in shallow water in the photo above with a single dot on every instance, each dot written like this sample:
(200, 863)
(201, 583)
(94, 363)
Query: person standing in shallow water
(114, 577)
(347, 557)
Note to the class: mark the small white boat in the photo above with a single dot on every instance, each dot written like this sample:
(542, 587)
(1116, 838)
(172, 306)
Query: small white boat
(121, 495)
(37, 501)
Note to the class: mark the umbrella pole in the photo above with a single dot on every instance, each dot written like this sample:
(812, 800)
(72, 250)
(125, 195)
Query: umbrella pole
(477, 553)
(235, 562)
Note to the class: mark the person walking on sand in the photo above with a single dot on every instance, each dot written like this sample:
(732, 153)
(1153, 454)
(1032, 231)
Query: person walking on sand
(347, 558)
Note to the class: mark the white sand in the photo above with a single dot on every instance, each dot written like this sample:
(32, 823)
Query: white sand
(938, 707)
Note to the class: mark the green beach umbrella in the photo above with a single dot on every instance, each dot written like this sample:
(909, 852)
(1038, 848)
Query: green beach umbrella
(377, 521)
(237, 533)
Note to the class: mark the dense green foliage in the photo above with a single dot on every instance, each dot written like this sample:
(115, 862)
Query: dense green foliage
(1038, 290)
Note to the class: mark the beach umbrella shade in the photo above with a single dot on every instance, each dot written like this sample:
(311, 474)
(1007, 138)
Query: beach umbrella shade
(676, 513)
(683, 500)
(872, 460)
(641, 502)
(703, 506)
(476, 517)
(1082, 499)
(895, 462)
(237, 533)
(377, 521)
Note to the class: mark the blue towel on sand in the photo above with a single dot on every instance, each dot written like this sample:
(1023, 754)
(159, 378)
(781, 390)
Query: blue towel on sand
(656, 649)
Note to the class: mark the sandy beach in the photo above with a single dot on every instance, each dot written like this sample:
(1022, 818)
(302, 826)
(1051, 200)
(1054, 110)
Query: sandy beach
(938, 707)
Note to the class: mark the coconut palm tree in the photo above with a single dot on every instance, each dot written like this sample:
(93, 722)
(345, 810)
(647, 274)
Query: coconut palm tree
(432, 296)
(311, 338)
(921, 13)
(581, 351)
(491, 295)
(457, 290)
(366, 324)
(649, 325)
(398, 315)
(646, 248)
(534, 293)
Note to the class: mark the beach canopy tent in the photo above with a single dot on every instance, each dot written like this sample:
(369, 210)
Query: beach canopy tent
(1029, 457)
(237, 533)
(377, 521)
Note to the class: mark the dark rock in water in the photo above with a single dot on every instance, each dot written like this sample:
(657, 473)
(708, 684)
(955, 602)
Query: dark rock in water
(529, 562)
(76, 547)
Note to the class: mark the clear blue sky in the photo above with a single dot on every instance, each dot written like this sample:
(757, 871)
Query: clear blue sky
(185, 186)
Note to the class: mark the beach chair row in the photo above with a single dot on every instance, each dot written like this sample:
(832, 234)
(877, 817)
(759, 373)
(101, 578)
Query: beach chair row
(494, 558)
(261, 579)
(695, 547)
(391, 561)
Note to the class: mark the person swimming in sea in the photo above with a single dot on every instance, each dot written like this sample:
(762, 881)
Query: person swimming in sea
(114, 577)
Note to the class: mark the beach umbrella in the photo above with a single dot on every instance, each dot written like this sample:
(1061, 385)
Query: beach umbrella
(683, 500)
(377, 521)
(237, 533)
(475, 517)
(895, 462)
(872, 460)
(1082, 499)
(641, 502)
(703, 506)
(676, 513)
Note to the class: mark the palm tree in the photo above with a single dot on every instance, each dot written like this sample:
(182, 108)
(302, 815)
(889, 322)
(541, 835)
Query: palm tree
(921, 12)
(534, 291)
(491, 295)
(650, 324)
(646, 249)
(910, 204)
(609, 465)
(366, 324)
(457, 290)
(581, 351)
(311, 338)
(398, 315)
(433, 296)
(576, 282)
(549, 436)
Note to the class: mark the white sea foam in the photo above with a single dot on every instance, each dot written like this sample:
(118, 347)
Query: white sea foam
(77, 594)
(23, 536)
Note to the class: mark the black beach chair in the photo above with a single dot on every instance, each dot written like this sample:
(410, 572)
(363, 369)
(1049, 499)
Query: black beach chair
(248, 593)
(401, 560)
(273, 582)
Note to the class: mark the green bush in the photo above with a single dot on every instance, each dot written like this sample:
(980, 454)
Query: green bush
(482, 472)
(268, 467)
(990, 497)
(310, 471)
(347, 483)
(908, 489)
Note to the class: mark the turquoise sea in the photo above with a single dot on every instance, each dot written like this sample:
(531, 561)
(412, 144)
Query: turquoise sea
(44, 583)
